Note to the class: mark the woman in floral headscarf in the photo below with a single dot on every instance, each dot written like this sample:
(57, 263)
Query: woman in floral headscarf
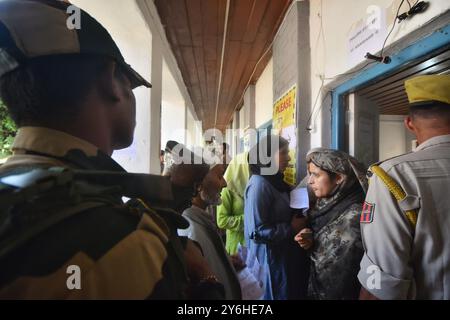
(338, 183)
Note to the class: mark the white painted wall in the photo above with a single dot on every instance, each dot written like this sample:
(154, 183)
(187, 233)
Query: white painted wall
(194, 131)
(392, 138)
(127, 27)
(329, 50)
(173, 111)
(264, 96)
(340, 17)
(395, 139)
(172, 122)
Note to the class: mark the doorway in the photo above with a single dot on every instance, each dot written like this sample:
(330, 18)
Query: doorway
(375, 113)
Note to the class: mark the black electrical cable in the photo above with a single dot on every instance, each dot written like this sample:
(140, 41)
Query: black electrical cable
(418, 7)
(314, 107)
(308, 124)
(392, 29)
(409, 4)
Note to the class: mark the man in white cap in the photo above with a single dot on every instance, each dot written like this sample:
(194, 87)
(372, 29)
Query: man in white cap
(203, 230)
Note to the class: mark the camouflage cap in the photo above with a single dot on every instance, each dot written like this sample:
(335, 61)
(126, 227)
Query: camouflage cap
(37, 28)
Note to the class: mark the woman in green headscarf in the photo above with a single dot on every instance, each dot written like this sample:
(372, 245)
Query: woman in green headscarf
(230, 214)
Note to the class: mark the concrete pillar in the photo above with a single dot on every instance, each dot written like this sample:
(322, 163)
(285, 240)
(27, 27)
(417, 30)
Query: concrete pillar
(229, 137)
(186, 110)
(236, 136)
(155, 105)
(198, 133)
(250, 106)
(292, 66)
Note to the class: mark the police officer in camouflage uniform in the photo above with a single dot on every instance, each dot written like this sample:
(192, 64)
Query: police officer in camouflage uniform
(70, 93)
(405, 221)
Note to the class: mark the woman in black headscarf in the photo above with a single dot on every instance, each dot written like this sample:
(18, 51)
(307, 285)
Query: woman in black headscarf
(270, 224)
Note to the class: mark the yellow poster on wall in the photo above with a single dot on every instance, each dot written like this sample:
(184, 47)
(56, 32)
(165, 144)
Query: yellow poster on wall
(284, 124)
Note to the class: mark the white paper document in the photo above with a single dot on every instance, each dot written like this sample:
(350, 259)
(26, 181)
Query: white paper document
(299, 198)
(251, 276)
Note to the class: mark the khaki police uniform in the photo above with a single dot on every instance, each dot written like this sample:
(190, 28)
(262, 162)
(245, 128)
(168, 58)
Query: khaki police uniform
(413, 262)
(406, 237)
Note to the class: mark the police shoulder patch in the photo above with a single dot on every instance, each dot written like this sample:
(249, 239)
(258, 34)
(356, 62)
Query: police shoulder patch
(368, 211)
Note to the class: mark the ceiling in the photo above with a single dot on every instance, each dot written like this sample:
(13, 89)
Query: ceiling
(195, 30)
(389, 93)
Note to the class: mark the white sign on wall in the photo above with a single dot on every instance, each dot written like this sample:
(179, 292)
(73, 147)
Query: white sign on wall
(367, 35)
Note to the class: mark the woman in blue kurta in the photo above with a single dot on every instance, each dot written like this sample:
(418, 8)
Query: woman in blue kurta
(270, 224)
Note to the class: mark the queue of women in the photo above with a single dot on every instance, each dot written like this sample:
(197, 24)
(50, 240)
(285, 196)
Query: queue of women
(309, 254)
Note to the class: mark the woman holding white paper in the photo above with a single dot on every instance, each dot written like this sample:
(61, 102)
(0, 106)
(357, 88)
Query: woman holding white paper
(338, 182)
(270, 224)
